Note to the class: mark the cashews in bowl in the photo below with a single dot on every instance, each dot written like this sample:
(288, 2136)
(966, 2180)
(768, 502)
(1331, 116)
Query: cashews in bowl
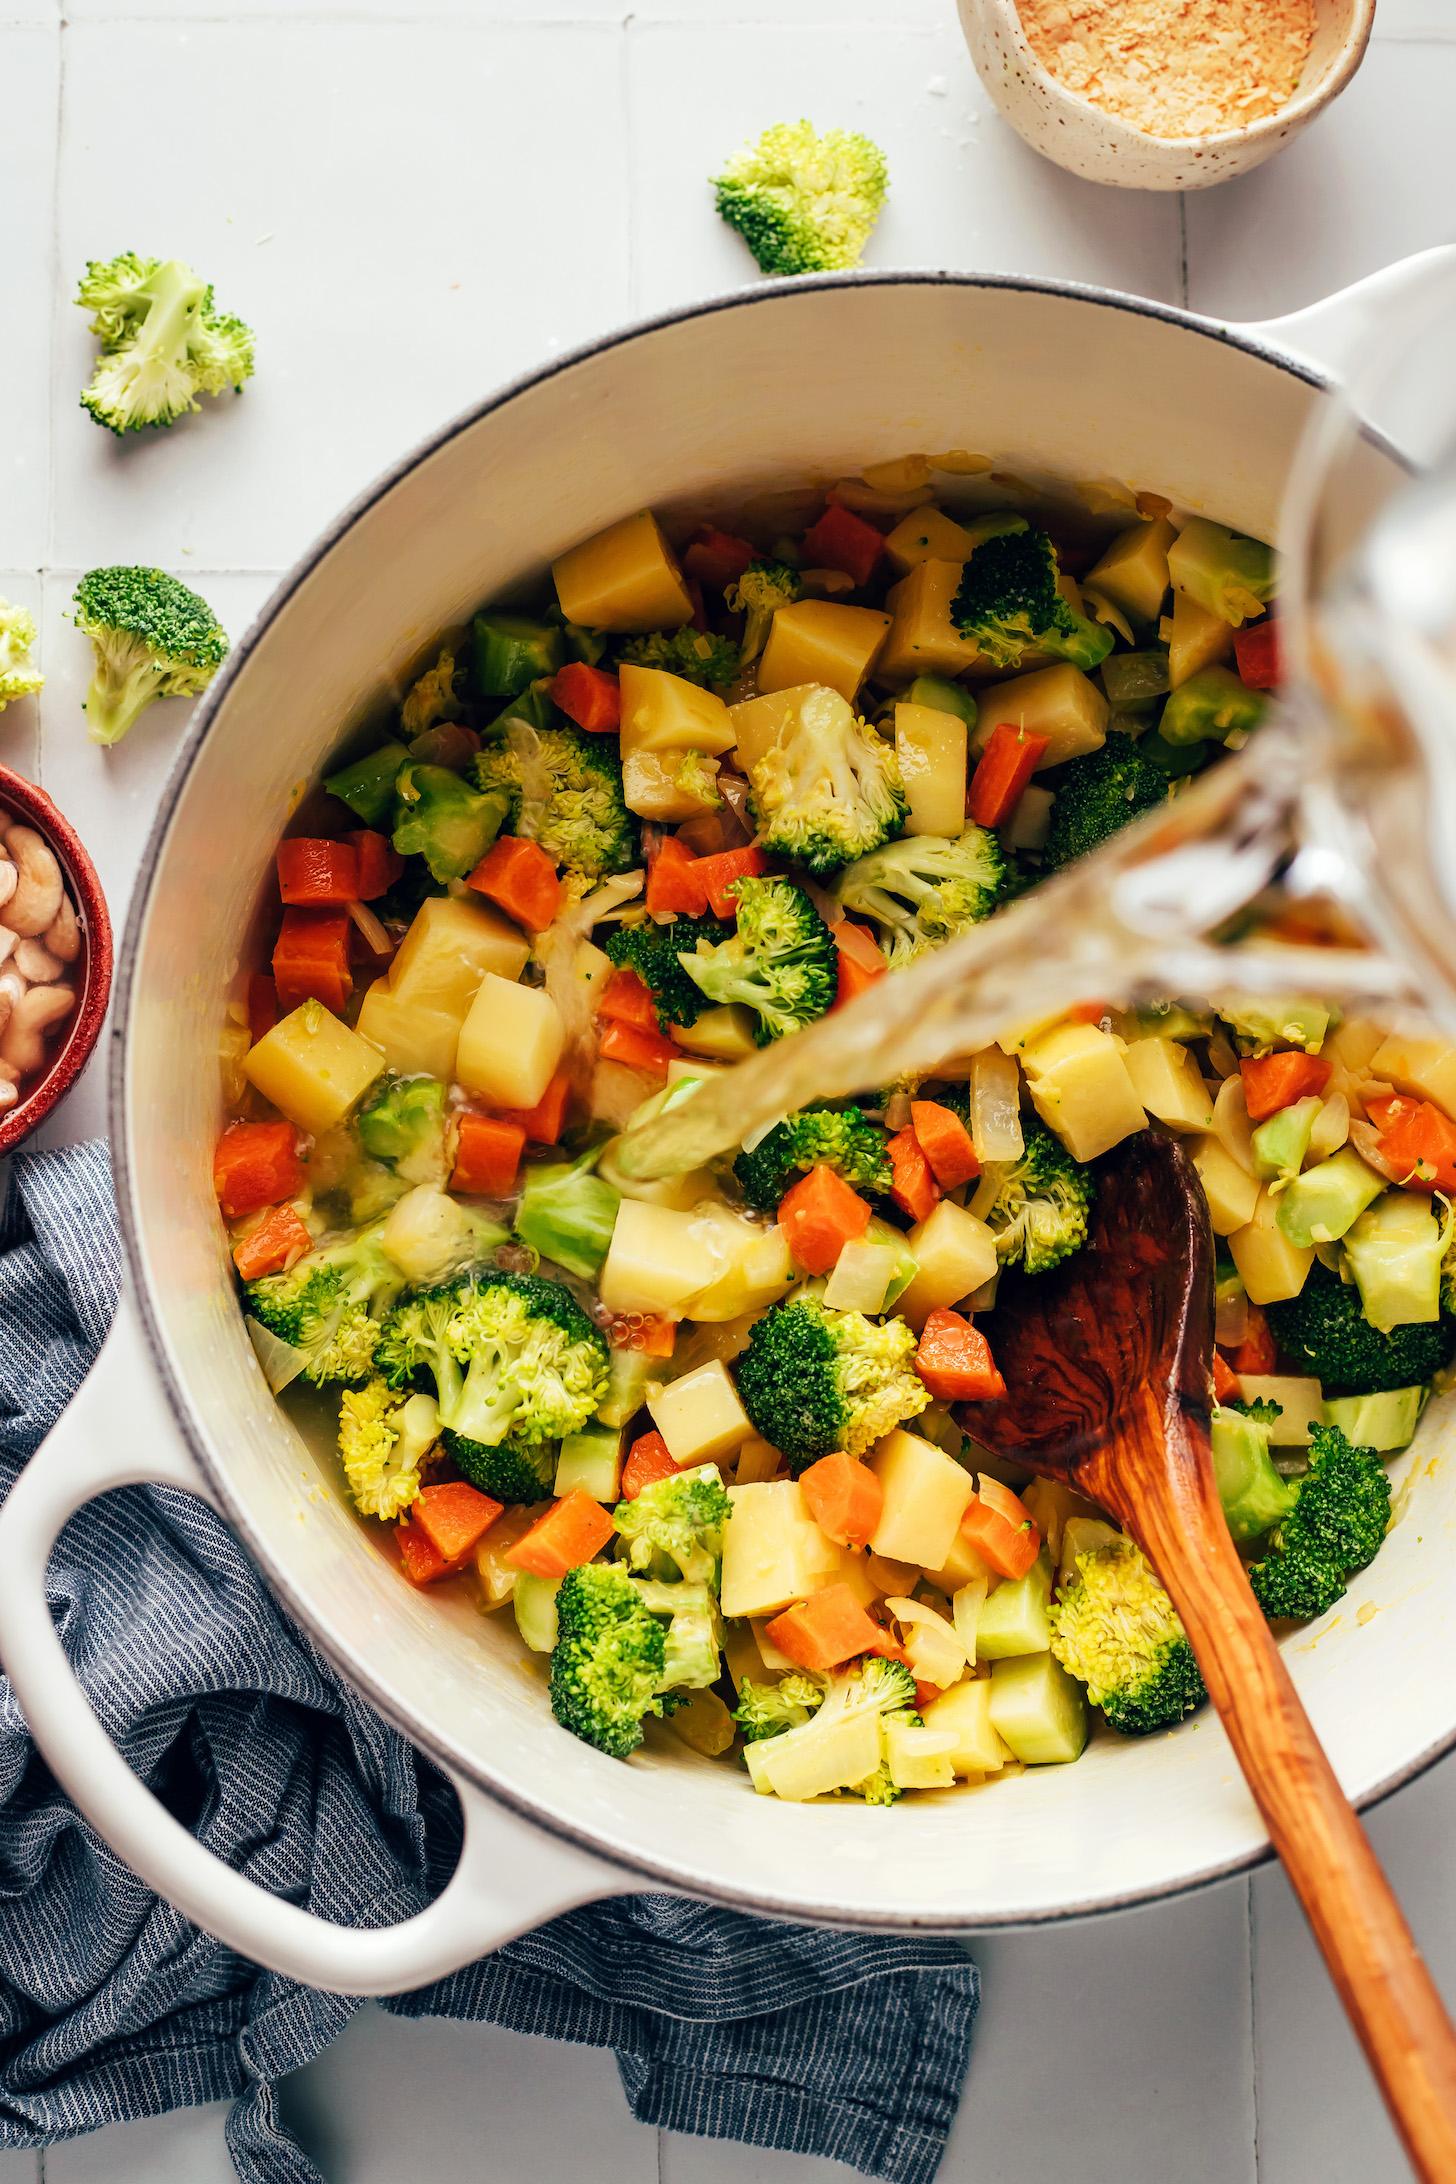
(36, 898)
(23, 1042)
(40, 939)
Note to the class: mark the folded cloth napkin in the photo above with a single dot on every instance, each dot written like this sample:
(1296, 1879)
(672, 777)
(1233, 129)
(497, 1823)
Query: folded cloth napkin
(112, 2006)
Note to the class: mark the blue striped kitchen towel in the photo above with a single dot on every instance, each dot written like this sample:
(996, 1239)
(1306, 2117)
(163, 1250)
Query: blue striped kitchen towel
(112, 2006)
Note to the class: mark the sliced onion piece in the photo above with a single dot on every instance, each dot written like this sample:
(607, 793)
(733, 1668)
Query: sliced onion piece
(377, 936)
(281, 1363)
(996, 1107)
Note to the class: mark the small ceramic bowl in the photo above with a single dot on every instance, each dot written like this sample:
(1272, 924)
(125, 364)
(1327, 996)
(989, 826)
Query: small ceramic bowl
(69, 1053)
(1083, 138)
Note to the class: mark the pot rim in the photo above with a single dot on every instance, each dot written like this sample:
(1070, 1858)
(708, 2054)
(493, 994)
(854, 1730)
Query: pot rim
(354, 1670)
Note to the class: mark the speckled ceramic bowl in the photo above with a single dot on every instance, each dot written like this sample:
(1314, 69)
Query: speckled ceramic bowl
(1101, 148)
(72, 1050)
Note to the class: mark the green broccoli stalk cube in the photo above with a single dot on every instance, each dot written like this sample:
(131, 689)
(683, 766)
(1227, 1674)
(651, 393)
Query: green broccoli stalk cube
(1252, 1493)
(943, 697)
(1327, 1199)
(1211, 706)
(152, 638)
(443, 819)
(367, 785)
(402, 1124)
(508, 651)
(1222, 571)
(1280, 1143)
(1394, 1251)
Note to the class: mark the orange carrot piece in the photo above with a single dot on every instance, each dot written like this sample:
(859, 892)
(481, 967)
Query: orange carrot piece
(845, 1498)
(627, 999)
(674, 885)
(262, 1005)
(380, 863)
(589, 696)
(317, 873)
(860, 961)
(651, 1333)
(914, 1189)
(544, 1123)
(1418, 1141)
(719, 876)
(1001, 1528)
(1225, 1379)
(419, 1557)
(819, 1215)
(954, 1360)
(311, 958)
(1256, 1353)
(945, 1142)
(843, 540)
(1272, 1081)
(570, 1533)
(717, 558)
(824, 1631)
(522, 879)
(644, 1050)
(1003, 769)
(256, 1164)
(647, 1460)
(273, 1245)
(453, 1517)
(1259, 655)
(487, 1156)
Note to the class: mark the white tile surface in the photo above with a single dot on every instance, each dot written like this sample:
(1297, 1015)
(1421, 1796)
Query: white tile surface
(30, 62)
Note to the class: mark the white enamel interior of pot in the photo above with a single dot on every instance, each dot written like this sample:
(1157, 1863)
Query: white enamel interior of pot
(774, 388)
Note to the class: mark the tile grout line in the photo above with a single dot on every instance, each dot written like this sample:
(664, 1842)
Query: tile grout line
(52, 357)
(1253, 2024)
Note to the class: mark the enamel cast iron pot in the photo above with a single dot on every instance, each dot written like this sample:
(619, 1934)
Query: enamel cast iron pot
(780, 383)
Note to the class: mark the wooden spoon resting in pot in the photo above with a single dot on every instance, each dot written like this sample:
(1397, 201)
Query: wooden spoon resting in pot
(1108, 1359)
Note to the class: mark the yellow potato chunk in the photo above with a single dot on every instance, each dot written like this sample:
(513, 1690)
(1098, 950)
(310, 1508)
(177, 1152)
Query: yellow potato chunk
(1078, 1079)
(928, 534)
(1353, 1044)
(1165, 1078)
(1300, 1401)
(1195, 638)
(510, 1043)
(1060, 703)
(625, 578)
(965, 1710)
(926, 1495)
(1133, 573)
(312, 1067)
(923, 639)
(662, 712)
(954, 1253)
(747, 1265)
(669, 785)
(1270, 1266)
(700, 1416)
(1426, 1068)
(962, 1566)
(773, 1551)
(820, 641)
(760, 723)
(723, 1034)
(416, 1040)
(1231, 1191)
(931, 748)
(450, 946)
(656, 1261)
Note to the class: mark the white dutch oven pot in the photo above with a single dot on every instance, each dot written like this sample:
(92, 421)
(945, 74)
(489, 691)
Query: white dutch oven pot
(783, 381)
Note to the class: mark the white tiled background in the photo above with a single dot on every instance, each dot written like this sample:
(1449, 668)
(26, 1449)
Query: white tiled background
(408, 205)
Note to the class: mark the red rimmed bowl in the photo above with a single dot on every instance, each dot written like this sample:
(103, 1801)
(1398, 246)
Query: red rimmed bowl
(71, 1051)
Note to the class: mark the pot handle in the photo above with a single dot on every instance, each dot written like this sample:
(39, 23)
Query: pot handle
(1332, 332)
(511, 1876)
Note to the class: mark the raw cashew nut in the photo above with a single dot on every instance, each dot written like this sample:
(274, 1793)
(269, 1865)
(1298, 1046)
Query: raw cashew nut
(35, 962)
(23, 1044)
(39, 891)
(9, 1094)
(63, 935)
(9, 880)
(9, 942)
(12, 987)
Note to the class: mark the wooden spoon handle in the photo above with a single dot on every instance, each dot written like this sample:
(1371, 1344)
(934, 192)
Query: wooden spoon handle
(1389, 1995)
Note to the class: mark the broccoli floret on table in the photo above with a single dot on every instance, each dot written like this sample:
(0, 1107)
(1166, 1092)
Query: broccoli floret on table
(1039, 1212)
(925, 889)
(696, 655)
(382, 1437)
(330, 1305)
(1097, 795)
(674, 1527)
(757, 595)
(402, 1123)
(1115, 1629)
(843, 1139)
(1334, 1529)
(1324, 1330)
(767, 1710)
(19, 677)
(1008, 604)
(440, 817)
(813, 1380)
(163, 342)
(608, 1662)
(829, 793)
(563, 789)
(152, 637)
(512, 1358)
(804, 203)
(780, 961)
(653, 951)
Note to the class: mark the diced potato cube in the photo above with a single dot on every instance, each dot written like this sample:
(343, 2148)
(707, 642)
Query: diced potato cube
(510, 1043)
(923, 639)
(312, 1067)
(662, 712)
(919, 1758)
(1231, 1191)
(1166, 1079)
(656, 1261)
(954, 1253)
(1078, 1079)
(700, 1416)
(593, 968)
(931, 748)
(1060, 703)
(965, 1710)
(1195, 638)
(962, 1566)
(723, 1034)
(1039, 1709)
(1133, 573)
(590, 1462)
(1031, 822)
(928, 534)
(625, 578)
(450, 946)
(1352, 1045)
(926, 1495)
(694, 1069)
(1426, 1068)
(820, 641)
(749, 1265)
(1270, 1266)
(670, 785)
(1300, 1401)
(757, 1460)
(773, 1551)
(416, 1040)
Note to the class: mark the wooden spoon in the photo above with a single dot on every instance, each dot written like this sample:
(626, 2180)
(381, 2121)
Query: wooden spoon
(1109, 1360)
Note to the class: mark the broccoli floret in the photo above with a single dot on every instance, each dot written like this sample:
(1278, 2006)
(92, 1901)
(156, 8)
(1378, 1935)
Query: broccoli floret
(675, 1526)
(1250, 1488)
(443, 819)
(1097, 795)
(830, 792)
(509, 1471)
(18, 677)
(153, 638)
(711, 662)
(843, 1139)
(693, 1633)
(1115, 1629)
(813, 1380)
(1333, 1530)
(767, 1710)
(763, 588)
(402, 1124)
(1008, 604)
(512, 1357)
(563, 789)
(802, 202)
(780, 962)
(1039, 1213)
(1324, 1330)
(163, 342)
(787, 1765)
(382, 1437)
(431, 698)
(925, 889)
(329, 1304)
(653, 952)
(609, 1658)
